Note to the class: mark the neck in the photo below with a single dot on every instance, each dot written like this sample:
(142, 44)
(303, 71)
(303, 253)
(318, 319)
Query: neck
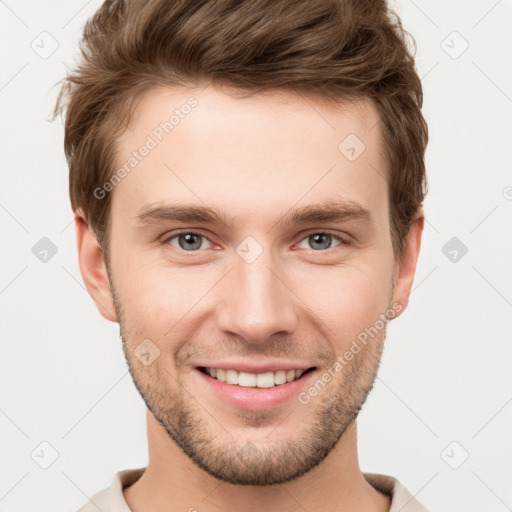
(172, 482)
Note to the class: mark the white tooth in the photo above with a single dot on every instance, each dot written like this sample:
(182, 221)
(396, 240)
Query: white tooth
(290, 375)
(265, 380)
(261, 380)
(247, 380)
(280, 377)
(231, 377)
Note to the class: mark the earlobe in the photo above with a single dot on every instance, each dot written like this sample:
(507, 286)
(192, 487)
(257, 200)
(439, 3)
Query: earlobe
(93, 269)
(405, 267)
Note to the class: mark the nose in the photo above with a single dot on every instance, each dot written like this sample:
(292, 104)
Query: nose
(256, 301)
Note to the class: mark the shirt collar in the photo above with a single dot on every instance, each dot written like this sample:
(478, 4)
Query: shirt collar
(112, 499)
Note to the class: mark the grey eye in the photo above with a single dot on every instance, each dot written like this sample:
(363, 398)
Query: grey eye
(320, 241)
(188, 241)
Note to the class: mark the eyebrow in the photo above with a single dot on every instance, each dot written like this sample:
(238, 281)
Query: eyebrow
(328, 211)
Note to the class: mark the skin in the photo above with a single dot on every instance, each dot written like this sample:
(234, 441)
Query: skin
(255, 159)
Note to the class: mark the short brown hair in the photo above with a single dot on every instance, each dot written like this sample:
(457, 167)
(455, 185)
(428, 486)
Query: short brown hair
(338, 49)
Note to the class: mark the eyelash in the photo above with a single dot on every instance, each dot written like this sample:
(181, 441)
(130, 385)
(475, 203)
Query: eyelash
(343, 242)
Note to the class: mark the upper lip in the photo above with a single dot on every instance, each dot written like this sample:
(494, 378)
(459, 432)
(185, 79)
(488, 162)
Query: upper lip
(263, 367)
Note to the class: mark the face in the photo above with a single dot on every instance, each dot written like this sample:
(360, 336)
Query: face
(248, 240)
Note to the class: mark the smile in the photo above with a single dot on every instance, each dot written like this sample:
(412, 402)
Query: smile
(251, 380)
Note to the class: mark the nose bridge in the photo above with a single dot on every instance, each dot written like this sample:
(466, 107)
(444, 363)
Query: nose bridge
(255, 303)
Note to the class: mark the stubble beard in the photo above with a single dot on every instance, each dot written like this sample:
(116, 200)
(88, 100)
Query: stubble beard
(202, 437)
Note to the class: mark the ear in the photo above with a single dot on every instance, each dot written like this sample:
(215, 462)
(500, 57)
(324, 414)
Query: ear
(93, 268)
(405, 266)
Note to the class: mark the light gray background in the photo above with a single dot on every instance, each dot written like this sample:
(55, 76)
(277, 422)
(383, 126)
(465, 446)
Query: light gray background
(446, 373)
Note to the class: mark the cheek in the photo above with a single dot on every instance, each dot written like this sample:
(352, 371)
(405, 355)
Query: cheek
(347, 299)
(156, 297)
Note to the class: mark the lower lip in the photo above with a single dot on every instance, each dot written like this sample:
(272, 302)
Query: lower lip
(254, 399)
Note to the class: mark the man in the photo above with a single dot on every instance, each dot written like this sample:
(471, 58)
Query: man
(248, 179)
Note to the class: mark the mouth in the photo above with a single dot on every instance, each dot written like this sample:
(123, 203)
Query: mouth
(265, 380)
(255, 385)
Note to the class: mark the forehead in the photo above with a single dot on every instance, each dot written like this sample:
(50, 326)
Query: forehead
(254, 156)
